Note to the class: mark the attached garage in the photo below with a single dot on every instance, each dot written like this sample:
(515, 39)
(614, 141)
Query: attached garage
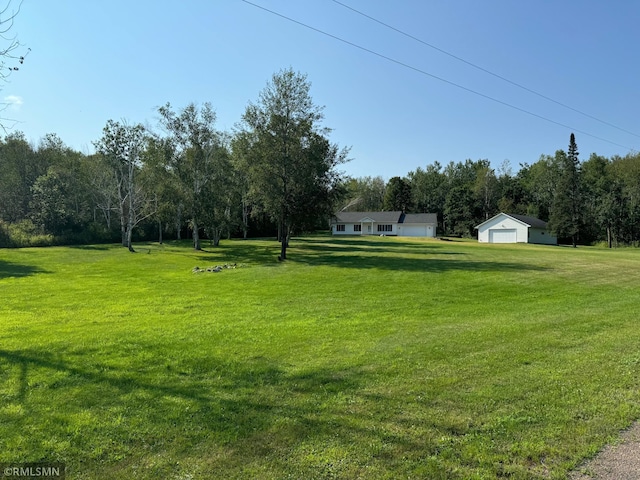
(511, 228)
(385, 223)
(412, 231)
(417, 225)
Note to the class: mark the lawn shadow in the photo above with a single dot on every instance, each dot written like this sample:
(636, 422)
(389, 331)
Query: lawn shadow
(401, 256)
(257, 407)
(100, 248)
(238, 251)
(15, 270)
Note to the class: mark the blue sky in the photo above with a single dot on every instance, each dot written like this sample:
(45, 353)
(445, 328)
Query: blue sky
(91, 61)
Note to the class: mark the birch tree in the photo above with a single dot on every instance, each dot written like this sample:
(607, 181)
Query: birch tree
(122, 145)
(199, 164)
(12, 53)
(292, 169)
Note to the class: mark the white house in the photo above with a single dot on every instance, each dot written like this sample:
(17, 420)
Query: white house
(385, 223)
(510, 228)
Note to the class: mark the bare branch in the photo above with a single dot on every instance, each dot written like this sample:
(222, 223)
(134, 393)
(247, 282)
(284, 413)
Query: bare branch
(8, 45)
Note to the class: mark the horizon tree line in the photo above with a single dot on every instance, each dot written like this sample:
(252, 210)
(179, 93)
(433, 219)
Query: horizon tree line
(277, 175)
(276, 172)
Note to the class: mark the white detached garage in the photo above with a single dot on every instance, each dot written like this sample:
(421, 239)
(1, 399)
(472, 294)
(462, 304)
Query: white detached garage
(511, 228)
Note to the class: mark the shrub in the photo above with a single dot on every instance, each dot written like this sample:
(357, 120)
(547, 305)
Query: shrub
(24, 234)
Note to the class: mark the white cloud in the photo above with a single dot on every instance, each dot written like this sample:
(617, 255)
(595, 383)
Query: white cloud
(14, 101)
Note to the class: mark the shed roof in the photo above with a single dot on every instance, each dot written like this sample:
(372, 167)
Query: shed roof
(529, 221)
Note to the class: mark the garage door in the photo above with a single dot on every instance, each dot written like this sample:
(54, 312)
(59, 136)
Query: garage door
(502, 236)
(414, 231)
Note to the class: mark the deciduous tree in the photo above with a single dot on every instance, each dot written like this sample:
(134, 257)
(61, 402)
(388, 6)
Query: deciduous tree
(364, 194)
(12, 52)
(199, 163)
(293, 167)
(121, 145)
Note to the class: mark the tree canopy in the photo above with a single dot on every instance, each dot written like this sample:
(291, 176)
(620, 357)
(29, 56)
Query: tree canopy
(290, 163)
(277, 174)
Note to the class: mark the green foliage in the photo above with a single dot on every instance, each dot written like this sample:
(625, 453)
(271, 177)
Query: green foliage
(364, 194)
(20, 166)
(196, 159)
(278, 173)
(290, 164)
(428, 189)
(566, 212)
(395, 359)
(25, 234)
(398, 195)
(461, 210)
(485, 189)
(121, 147)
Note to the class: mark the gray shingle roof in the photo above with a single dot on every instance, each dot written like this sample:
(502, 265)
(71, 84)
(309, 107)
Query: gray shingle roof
(532, 221)
(386, 217)
(420, 218)
(378, 217)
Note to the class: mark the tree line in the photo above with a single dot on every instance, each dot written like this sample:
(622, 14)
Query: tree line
(597, 200)
(276, 174)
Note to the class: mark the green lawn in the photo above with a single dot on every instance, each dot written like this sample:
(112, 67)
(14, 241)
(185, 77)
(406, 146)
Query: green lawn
(357, 358)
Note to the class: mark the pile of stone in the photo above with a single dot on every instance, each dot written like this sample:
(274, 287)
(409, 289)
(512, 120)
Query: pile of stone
(217, 268)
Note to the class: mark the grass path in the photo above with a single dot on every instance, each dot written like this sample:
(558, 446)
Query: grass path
(357, 358)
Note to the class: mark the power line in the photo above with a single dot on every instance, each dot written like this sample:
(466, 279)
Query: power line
(423, 72)
(484, 69)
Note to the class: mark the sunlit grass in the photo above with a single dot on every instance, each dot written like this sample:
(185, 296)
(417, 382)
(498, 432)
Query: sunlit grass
(357, 358)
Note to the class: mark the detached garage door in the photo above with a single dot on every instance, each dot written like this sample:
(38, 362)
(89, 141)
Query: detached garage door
(503, 236)
(414, 231)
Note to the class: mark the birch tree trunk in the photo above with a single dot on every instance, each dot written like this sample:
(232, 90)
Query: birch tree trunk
(196, 235)
(131, 212)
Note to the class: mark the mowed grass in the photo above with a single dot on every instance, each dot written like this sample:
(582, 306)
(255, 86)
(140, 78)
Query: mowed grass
(362, 358)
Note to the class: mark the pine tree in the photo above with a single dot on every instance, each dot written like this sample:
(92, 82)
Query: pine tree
(565, 215)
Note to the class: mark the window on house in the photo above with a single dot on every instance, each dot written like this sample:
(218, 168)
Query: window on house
(357, 228)
(340, 228)
(385, 228)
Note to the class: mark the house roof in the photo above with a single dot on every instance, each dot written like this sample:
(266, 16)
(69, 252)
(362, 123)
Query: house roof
(529, 221)
(420, 218)
(378, 217)
(386, 217)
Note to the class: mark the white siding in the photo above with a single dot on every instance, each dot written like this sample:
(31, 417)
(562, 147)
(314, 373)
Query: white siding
(503, 222)
(367, 229)
(348, 229)
(394, 229)
(538, 235)
(416, 230)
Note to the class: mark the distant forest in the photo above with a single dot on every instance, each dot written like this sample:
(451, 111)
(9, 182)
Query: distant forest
(597, 200)
(52, 194)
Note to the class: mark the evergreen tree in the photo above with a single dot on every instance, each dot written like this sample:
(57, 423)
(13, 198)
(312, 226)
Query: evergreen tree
(564, 220)
(397, 195)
